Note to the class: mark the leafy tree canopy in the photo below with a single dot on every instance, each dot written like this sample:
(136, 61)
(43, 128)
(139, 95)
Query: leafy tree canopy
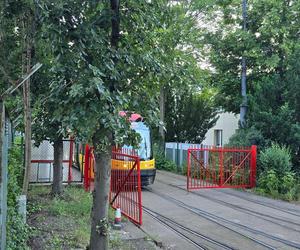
(270, 45)
(190, 114)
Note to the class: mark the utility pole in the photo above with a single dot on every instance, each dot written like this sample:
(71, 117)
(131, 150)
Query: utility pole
(162, 117)
(27, 119)
(244, 105)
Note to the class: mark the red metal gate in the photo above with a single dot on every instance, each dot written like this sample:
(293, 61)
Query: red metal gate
(125, 188)
(214, 167)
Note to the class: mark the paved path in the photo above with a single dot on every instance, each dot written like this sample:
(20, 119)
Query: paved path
(216, 218)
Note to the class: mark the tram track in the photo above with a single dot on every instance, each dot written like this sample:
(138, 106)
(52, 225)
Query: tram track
(224, 223)
(286, 210)
(236, 195)
(178, 228)
(243, 209)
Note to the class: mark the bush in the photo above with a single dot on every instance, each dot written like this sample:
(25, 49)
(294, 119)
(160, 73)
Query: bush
(269, 182)
(15, 170)
(17, 230)
(290, 188)
(184, 170)
(277, 158)
(288, 182)
(246, 137)
(161, 162)
(276, 177)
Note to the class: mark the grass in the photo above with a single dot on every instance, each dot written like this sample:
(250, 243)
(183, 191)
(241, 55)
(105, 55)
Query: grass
(64, 222)
(61, 222)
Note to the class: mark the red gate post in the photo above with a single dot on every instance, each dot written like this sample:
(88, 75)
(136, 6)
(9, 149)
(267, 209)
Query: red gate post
(139, 190)
(253, 165)
(221, 170)
(70, 161)
(188, 170)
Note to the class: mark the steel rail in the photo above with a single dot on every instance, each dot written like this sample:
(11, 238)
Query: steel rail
(165, 221)
(287, 210)
(242, 209)
(231, 229)
(217, 219)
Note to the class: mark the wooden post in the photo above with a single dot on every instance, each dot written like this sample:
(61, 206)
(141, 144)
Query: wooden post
(27, 121)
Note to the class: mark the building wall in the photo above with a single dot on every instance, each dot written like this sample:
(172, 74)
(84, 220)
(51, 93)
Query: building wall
(177, 152)
(228, 123)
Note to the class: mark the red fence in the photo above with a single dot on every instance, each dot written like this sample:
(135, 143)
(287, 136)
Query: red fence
(212, 167)
(125, 189)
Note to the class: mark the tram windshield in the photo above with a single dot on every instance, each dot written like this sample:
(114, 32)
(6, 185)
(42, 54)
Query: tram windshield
(145, 146)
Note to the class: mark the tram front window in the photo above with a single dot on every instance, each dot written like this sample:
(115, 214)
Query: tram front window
(144, 150)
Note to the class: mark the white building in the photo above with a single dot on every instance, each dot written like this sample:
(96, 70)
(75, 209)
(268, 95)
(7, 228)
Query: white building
(225, 127)
(218, 135)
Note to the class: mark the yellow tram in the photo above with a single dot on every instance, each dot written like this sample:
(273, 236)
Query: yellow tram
(144, 151)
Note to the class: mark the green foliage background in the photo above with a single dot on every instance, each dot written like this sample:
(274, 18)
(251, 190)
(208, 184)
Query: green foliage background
(271, 45)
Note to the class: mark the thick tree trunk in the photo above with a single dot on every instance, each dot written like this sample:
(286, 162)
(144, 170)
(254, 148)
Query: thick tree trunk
(57, 186)
(99, 231)
(115, 23)
(162, 117)
(27, 120)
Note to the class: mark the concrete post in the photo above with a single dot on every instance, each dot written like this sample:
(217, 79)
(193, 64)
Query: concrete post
(22, 200)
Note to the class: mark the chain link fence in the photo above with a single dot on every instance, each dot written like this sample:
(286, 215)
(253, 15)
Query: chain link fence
(178, 152)
(42, 163)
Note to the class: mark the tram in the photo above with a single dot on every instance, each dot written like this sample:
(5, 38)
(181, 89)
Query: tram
(144, 151)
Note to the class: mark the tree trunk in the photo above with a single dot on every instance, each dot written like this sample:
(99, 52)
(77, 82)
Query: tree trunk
(162, 117)
(57, 186)
(27, 119)
(99, 231)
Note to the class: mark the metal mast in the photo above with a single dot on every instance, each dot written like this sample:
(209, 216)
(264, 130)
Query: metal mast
(244, 106)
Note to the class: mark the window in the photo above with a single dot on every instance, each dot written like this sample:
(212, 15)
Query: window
(145, 147)
(218, 138)
(144, 150)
